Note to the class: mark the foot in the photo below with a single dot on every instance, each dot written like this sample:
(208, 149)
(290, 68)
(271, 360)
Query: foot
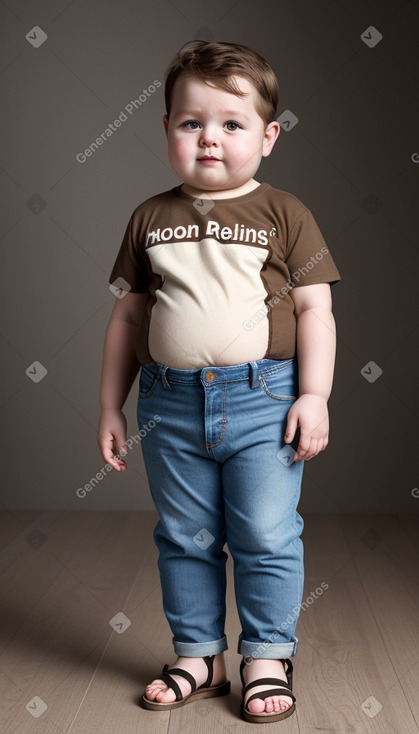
(159, 691)
(263, 668)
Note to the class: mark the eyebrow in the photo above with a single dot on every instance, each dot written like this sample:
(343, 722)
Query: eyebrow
(224, 113)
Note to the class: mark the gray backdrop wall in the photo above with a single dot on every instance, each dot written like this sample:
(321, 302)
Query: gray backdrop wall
(348, 72)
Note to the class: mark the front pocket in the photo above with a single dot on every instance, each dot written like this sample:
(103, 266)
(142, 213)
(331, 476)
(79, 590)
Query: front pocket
(280, 384)
(147, 382)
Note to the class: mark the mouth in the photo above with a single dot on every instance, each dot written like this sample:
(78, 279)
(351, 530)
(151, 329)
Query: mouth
(208, 158)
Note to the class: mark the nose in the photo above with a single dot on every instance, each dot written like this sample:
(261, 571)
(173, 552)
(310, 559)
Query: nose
(208, 137)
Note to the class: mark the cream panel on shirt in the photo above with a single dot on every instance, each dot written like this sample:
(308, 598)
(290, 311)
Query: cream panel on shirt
(197, 320)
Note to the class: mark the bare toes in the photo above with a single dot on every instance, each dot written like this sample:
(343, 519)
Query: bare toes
(269, 705)
(285, 703)
(166, 696)
(272, 704)
(256, 706)
(158, 691)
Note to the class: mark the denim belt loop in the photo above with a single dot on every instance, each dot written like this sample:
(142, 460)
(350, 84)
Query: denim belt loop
(254, 374)
(162, 373)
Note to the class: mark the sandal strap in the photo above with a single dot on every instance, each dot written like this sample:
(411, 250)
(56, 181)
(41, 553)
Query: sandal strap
(266, 682)
(171, 683)
(280, 691)
(288, 667)
(209, 662)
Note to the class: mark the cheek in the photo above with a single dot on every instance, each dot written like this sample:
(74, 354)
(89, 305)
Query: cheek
(179, 149)
(250, 150)
(241, 154)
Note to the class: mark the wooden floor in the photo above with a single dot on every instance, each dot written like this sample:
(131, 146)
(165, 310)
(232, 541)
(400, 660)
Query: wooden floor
(82, 628)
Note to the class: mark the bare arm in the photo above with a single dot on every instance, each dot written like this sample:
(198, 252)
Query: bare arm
(119, 369)
(316, 349)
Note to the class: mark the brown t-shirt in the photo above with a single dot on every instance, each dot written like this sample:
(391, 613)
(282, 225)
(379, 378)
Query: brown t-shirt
(219, 274)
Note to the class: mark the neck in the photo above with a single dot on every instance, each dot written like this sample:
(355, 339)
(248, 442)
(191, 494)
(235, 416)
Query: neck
(223, 193)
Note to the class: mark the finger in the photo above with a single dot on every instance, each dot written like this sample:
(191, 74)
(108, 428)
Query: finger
(290, 429)
(120, 442)
(120, 464)
(114, 461)
(303, 448)
(304, 443)
(321, 445)
(310, 453)
(106, 447)
(313, 450)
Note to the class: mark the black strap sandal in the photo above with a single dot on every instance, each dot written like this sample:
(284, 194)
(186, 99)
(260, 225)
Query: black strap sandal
(282, 688)
(203, 691)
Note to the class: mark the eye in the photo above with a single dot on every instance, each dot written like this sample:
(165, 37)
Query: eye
(191, 122)
(236, 125)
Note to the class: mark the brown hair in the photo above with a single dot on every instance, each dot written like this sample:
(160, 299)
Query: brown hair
(217, 63)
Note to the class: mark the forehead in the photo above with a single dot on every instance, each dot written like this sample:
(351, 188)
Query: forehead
(190, 91)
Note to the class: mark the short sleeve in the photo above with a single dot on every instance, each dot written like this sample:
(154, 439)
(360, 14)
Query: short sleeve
(130, 263)
(308, 258)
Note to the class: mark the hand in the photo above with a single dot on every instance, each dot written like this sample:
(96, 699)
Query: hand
(111, 437)
(310, 414)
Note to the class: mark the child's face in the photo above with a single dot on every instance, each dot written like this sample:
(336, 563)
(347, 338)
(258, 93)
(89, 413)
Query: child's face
(208, 121)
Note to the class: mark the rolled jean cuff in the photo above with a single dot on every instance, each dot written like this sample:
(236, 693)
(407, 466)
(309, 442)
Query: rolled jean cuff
(200, 649)
(277, 651)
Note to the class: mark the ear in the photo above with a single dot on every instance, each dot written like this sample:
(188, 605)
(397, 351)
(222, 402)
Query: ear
(269, 138)
(165, 123)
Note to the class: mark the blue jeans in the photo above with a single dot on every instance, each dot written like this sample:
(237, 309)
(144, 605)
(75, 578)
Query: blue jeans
(216, 477)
